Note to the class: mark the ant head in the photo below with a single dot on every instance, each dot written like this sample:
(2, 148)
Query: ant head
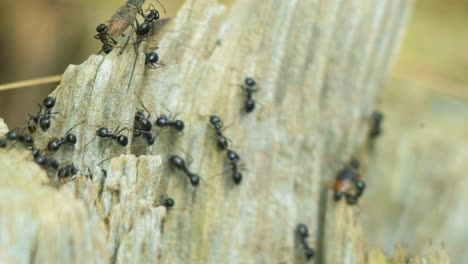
(35, 152)
(12, 135)
(153, 15)
(194, 179)
(44, 123)
(73, 170)
(27, 139)
(302, 230)
(249, 105)
(40, 159)
(214, 119)
(179, 125)
(143, 29)
(102, 28)
(53, 145)
(122, 140)
(71, 138)
(237, 177)
(139, 115)
(177, 162)
(49, 102)
(152, 57)
(162, 121)
(377, 116)
(249, 81)
(360, 185)
(168, 202)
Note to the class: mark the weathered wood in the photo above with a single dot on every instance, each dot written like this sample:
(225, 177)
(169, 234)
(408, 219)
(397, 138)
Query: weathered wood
(319, 66)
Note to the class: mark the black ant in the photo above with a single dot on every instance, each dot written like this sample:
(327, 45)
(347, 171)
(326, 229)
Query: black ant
(218, 125)
(142, 122)
(47, 103)
(56, 143)
(13, 135)
(142, 126)
(376, 130)
(345, 180)
(67, 171)
(249, 104)
(234, 158)
(43, 161)
(167, 121)
(145, 27)
(42, 119)
(26, 139)
(107, 41)
(179, 163)
(168, 202)
(303, 233)
(104, 132)
(152, 59)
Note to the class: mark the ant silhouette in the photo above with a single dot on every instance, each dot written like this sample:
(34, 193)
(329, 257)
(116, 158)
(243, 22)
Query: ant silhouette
(107, 41)
(42, 119)
(179, 163)
(142, 125)
(105, 133)
(165, 121)
(217, 124)
(234, 159)
(346, 179)
(376, 129)
(303, 233)
(69, 139)
(249, 90)
(67, 171)
(152, 59)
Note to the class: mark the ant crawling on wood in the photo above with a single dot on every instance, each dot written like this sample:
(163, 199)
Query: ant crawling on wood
(348, 184)
(376, 129)
(42, 119)
(303, 233)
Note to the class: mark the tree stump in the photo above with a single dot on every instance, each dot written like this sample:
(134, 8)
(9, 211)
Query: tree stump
(319, 67)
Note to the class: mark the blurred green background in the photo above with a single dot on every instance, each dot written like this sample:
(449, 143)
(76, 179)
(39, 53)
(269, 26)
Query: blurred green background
(418, 171)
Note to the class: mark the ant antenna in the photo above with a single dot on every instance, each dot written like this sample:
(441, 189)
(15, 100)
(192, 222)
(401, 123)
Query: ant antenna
(164, 9)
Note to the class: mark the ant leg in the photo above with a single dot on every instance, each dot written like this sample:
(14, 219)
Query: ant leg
(160, 65)
(129, 36)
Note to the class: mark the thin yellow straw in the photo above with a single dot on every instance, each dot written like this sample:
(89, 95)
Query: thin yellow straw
(38, 81)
